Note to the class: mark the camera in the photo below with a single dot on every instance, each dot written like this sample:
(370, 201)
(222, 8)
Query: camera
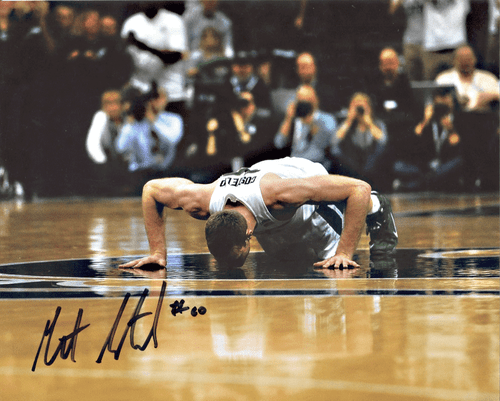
(360, 110)
(441, 110)
(138, 101)
(303, 109)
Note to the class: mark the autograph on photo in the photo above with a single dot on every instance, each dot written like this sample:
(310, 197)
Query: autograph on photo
(67, 344)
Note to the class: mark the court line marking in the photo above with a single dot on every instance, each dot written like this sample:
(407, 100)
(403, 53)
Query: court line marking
(13, 276)
(233, 379)
(175, 254)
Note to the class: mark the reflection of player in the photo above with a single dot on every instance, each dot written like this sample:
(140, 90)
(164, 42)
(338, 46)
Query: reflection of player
(287, 204)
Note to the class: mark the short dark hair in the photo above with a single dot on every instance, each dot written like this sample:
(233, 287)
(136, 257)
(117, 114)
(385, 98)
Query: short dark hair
(225, 232)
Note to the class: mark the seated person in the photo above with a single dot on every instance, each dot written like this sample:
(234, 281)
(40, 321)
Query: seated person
(255, 129)
(358, 146)
(109, 165)
(306, 129)
(478, 90)
(392, 95)
(434, 156)
(245, 79)
(237, 134)
(104, 128)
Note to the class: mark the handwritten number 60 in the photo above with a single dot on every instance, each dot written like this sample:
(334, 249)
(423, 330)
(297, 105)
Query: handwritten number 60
(201, 310)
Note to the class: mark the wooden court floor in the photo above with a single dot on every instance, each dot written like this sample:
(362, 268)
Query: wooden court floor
(75, 327)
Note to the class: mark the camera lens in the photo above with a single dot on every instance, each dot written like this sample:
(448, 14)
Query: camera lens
(360, 110)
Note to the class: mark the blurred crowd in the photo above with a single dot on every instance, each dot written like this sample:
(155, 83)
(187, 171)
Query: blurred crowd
(99, 97)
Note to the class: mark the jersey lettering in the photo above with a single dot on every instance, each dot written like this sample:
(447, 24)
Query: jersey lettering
(234, 179)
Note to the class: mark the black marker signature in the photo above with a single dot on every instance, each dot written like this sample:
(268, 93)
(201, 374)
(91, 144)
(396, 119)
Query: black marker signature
(67, 344)
(131, 326)
(61, 348)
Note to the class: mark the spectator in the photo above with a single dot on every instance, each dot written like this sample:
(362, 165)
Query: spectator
(413, 37)
(60, 26)
(9, 68)
(104, 128)
(359, 144)
(109, 26)
(478, 90)
(23, 52)
(236, 135)
(393, 102)
(204, 15)
(390, 89)
(117, 63)
(306, 69)
(157, 42)
(33, 15)
(255, 129)
(100, 144)
(83, 57)
(434, 158)
(245, 79)
(307, 72)
(492, 56)
(444, 31)
(84, 43)
(150, 139)
(210, 49)
(306, 129)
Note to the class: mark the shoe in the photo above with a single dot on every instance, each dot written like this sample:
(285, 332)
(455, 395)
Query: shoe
(382, 228)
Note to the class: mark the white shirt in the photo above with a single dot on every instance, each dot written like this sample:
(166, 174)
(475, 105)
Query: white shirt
(482, 82)
(166, 31)
(99, 132)
(444, 24)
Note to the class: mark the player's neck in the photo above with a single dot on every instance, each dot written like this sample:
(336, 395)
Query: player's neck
(243, 210)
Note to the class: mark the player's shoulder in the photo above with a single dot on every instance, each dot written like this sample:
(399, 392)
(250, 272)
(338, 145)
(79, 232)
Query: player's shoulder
(275, 190)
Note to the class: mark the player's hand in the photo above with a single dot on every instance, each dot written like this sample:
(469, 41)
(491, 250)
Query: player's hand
(337, 262)
(148, 260)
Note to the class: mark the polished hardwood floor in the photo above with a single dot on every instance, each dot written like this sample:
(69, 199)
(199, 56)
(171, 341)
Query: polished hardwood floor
(425, 328)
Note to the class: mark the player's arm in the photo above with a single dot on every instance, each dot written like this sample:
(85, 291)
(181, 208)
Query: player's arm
(156, 195)
(331, 188)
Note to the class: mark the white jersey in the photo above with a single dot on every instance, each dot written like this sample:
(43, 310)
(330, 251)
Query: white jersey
(306, 232)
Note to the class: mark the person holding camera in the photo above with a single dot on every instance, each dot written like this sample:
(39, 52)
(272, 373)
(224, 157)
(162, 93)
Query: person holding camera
(360, 142)
(149, 138)
(434, 157)
(306, 130)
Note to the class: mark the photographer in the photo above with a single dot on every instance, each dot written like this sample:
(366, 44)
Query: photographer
(434, 158)
(359, 144)
(149, 138)
(306, 129)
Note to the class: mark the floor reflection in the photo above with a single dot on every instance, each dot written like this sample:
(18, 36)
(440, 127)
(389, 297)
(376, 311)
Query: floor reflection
(41, 277)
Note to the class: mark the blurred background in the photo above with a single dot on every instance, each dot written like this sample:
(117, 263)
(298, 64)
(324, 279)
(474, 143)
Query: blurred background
(99, 97)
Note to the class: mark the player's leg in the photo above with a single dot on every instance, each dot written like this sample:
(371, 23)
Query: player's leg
(381, 227)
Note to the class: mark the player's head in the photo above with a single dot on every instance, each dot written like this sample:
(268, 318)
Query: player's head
(228, 238)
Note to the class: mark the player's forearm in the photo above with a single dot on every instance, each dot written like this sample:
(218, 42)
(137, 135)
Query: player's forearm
(357, 207)
(154, 222)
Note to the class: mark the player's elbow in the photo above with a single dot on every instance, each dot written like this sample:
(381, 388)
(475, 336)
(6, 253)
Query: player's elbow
(362, 192)
(150, 189)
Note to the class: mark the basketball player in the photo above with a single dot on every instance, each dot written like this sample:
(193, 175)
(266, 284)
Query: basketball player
(292, 206)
